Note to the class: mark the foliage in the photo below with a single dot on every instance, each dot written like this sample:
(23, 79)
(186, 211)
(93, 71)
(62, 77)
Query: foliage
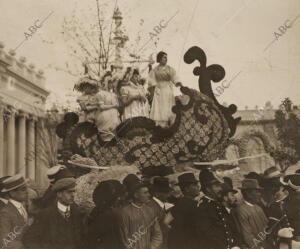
(288, 133)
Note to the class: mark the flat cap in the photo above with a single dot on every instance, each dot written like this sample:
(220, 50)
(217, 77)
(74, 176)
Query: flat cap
(64, 184)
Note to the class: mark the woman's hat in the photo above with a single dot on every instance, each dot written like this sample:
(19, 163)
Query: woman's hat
(13, 182)
(161, 184)
(250, 184)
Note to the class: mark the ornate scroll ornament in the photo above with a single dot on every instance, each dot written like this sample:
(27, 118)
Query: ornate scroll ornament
(213, 73)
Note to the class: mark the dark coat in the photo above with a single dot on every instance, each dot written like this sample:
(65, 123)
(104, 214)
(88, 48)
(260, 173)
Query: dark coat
(103, 230)
(2, 204)
(48, 199)
(278, 219)
(51, 230)
(292, 207)
(215, 226)
(183, 228)
(12, 227)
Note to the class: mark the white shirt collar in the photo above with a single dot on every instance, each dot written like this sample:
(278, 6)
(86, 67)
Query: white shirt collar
(163, 205)
(4, 200)
(228, 209)
(249, 204)
(63, 208)
(17, 204)
(209, 198)
(20, 208)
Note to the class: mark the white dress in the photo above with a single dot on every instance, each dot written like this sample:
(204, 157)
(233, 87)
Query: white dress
(136, 108)
(163, 78)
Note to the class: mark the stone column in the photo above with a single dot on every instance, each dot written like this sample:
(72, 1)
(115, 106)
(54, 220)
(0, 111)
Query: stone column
(31, 149)
(11, 143)
(2, 172)
(21, 169)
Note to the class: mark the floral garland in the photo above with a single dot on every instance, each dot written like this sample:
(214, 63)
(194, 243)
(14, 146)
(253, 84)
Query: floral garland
(241, 143)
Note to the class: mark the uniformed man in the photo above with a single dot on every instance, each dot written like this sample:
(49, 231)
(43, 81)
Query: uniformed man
(214, 229)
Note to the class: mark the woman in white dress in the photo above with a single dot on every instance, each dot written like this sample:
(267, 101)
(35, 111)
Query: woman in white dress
(107, 115)
(134, 98)
(163, 77)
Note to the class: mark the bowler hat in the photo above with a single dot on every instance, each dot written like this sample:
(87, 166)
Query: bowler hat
(187, 178)
(161, 184)
(228, 186)
(13, 182)
(207, 178)
(130, 179)
(133, 183)
(250, 184)
(64, 184)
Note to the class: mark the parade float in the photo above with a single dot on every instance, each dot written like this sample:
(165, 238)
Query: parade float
(200, 132)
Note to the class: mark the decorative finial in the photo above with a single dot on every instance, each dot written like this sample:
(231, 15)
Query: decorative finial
(22, 59)
(12, 52)
(40, 72)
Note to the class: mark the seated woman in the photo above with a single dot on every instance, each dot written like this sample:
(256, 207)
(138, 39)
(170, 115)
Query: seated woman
(101, 107)
(107, 116)
(133, 96)
(88, 100)
(163, 77)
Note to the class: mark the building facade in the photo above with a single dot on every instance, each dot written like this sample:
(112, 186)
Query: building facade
(22, 110)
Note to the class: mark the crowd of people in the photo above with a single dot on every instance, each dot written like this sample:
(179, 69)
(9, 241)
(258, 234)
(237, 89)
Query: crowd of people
(145, 214)
(120, 97)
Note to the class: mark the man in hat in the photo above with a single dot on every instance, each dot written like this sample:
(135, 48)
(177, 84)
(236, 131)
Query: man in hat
(59, 226)
(252, 219)
(214, 227)
(54, 174)
(161, 191)
(3, 196)
(138, 228)
(229, 201)
(181, 217)
(270, 184)
(14, 217)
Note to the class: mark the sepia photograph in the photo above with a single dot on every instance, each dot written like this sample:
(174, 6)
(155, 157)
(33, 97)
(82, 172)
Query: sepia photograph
(150, 124)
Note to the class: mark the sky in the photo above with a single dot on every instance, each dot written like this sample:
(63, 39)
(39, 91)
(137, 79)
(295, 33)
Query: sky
(244, 36)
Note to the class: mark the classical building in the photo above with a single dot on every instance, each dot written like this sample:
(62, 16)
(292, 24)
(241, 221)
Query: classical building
(22, 109)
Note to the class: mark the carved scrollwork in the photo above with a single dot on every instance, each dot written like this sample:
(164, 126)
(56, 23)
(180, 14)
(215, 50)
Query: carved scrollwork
(207, 74)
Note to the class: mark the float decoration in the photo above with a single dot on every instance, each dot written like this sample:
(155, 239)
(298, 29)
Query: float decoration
(201, 130)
